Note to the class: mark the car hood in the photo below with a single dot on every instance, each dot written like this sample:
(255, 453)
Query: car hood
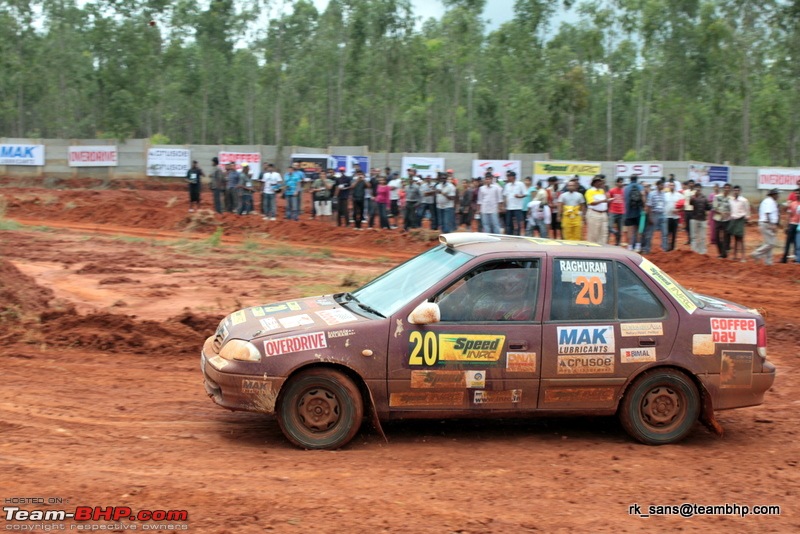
(715, 304)
(312, 313)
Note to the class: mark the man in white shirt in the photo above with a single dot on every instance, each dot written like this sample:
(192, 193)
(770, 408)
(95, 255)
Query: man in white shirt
(673, 216)
(445, 203)
(270, 182)
(513, 193)
(740, 213)
(597, 212)
(395, 186)
(490, 198)
(768, 218)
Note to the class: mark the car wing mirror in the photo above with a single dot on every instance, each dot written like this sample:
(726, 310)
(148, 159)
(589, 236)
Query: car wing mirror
(425, 313)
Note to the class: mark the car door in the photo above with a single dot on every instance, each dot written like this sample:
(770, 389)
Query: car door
(483, 354)
(603, 324)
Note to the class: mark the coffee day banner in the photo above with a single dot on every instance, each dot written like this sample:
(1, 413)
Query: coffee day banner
(424, 166)
(168, 162)
(564, 170)
(785, 179)
(253, 160)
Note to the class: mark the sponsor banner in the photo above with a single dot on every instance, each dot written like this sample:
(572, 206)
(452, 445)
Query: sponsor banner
(424, 166)
(733, 330)
(475, 379)
(586, 365)
(511, 396)
(736, 369)
(285, 345)
(293, 321)
(637, 355)
(703, 345)
(646, 171)
(571, 270)
(709, 175)
(253, 160)
(641, 329)
(270, 323)
(168, 162)
(785, 179)
(521, 362)
(586, 340)
(92, 156)
(470, 348)
(498, 166)
(669, 285)
(424, 398)
(24, 155)
(438, 380)
(349, 163)
(311, 164)
(238, 317)
(589, 394)
(564, 170)
(337, 316)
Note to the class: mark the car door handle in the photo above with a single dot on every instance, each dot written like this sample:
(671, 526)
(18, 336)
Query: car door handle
(518, 345)
(647, 342)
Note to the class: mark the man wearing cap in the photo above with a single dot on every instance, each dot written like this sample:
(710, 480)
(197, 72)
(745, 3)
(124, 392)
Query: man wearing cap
(513, 194)
(768, 223)
(342, 194)
(597, 212)
(490, 199)
(218, 185)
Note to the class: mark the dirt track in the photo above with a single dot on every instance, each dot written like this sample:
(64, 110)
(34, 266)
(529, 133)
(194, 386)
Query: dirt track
(103, 403)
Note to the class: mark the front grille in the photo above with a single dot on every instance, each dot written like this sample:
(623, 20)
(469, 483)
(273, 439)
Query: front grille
(217, 344)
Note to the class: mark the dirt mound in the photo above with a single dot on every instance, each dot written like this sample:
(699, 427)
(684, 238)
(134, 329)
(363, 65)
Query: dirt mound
(95, 268)
(117, 280)
(21, 299)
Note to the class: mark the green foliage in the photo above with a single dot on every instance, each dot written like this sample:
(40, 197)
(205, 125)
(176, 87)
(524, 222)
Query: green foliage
(216, 238)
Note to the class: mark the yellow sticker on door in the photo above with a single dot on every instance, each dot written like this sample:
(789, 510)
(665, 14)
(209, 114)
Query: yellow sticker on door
(430, 349)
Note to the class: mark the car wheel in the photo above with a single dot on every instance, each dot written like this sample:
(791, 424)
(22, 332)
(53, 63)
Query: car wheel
(660, 407)
(320, 409)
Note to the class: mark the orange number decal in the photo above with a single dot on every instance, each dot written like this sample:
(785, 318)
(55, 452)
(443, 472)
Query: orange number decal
(591, 291)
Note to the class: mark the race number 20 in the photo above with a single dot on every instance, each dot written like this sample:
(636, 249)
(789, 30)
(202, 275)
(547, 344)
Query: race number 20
(424, 350)
(591, 290)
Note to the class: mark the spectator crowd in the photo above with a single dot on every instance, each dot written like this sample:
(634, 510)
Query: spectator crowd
(635, 215)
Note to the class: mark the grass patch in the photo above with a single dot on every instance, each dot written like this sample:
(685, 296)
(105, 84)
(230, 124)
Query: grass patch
(216, 238)
(8, 225)
(70, 205)
(351, 280)
(45, 229)
(310, 290)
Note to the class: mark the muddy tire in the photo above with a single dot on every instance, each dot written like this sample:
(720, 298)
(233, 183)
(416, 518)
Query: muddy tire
(320, 409)
(660, 407)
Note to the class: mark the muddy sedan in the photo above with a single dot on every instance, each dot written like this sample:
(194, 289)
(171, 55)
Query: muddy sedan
(493, 326)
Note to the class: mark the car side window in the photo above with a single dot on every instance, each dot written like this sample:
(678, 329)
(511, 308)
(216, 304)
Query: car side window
(583, 289)
(635, 300)
(497, 291)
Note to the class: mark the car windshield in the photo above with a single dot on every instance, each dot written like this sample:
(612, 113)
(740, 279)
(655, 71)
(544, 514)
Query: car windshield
(396, 288)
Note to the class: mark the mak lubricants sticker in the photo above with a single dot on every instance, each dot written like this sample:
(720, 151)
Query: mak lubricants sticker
(586, 340)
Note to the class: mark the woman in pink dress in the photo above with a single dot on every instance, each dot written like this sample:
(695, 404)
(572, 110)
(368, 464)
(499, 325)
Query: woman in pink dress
(383, 201)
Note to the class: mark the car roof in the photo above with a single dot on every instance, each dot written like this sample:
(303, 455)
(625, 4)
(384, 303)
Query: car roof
(478, 244)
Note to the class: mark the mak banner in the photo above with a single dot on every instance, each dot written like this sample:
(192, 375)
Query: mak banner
(424, 166)
(168, 162)
(786, 179)
(27, 155)
(498, 166)
(564, 170)
(93, 156)
(709, 175)
(349, 163)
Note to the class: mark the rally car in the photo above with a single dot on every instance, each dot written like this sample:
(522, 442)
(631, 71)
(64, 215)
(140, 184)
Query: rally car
(494, 326)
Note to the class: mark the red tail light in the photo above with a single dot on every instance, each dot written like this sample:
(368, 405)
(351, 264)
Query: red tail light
(762, 341)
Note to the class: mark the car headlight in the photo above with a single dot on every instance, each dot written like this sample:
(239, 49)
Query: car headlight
(237, 349)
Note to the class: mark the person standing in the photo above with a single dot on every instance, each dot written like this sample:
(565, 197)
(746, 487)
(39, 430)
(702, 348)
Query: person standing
(395, 185)
(232, 188)
(513, 193)
(445, 203)
(413, 198)
(321, 188)
(428, 202)
(616, 211)
(490, 199)
(722, 216)
(539, 218)
(597, 212)
(270, 186)
(359, 187)
(291, 191)
(698, 220)
(654, 208)
(552, 199)
(193, 180)
(768, 224)
(383, 200)
(465, 204)
(740, 214)
(571, 205)
(245, 191)
(634, 206)
(792, 235)
(688, 194)
(218, 185)
(342, 194)
(671, 214)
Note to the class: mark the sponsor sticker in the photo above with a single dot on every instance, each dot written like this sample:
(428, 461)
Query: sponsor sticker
(641, 329)
(270, 323)
(475, 379)
(425, 398)
(511, 396)
(438, 380)
(589, 394)
(238, 318)
(341, 333)
(703, 345)
(586, 340)
(637, 355)
(571, 270)
(736, 369)
(218, 362)
(285, 345)
(325, 302)
(277, 308)
(257, 311)
(470, 348)
(255, 386)
(293, 321)
(586, 365)
(336, 316)
(521, 362)
(733, 330)
(669, 285)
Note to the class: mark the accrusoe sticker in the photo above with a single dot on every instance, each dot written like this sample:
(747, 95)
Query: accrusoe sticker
(585, 365)
(285, 345)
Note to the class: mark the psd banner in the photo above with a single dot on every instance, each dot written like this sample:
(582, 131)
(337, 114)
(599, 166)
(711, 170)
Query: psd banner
(27, 155)
(709, 175)
(564, 170)
(498, 166)
(785, 179)
(424, 166)
(168, 162)
(349, 163)
(93, 156)
(253, 160)
(647, 172)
